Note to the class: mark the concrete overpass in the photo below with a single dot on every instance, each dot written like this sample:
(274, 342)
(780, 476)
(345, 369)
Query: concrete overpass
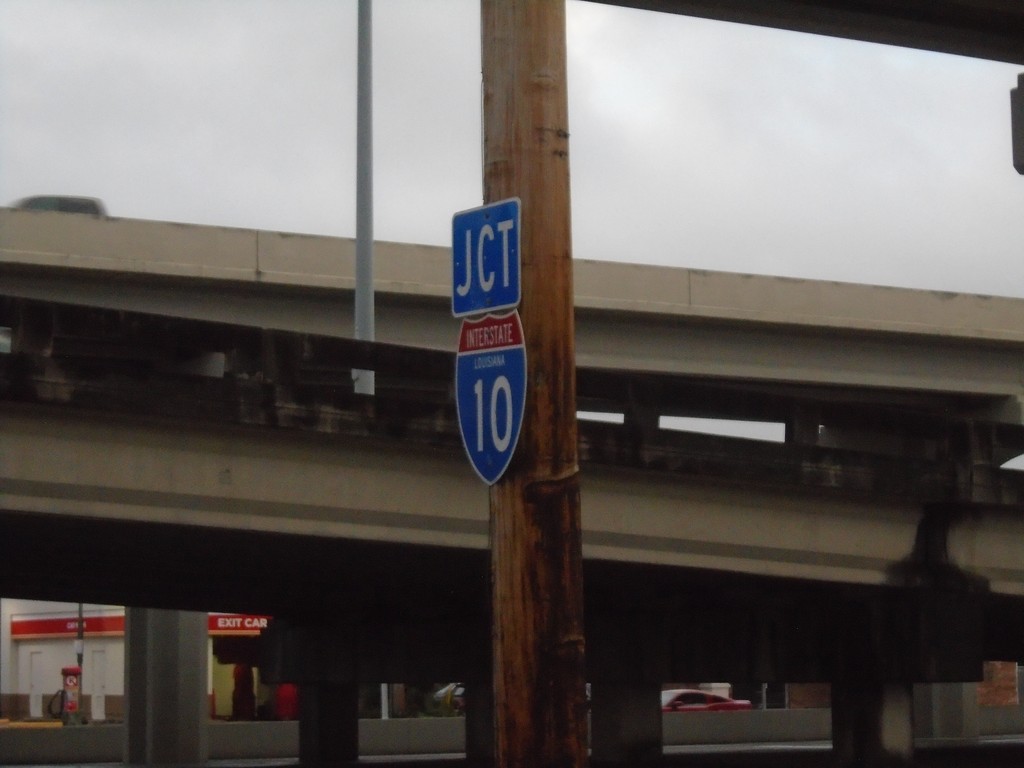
(177, 407)
(986, 29)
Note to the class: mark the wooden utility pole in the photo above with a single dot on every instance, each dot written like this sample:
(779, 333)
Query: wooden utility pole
(536, 551)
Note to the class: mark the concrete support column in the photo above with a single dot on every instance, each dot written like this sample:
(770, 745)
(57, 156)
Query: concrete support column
(946, 711)
(872, 724)
(167, 707)
(626, 723)
(328, 724)
(480, 723)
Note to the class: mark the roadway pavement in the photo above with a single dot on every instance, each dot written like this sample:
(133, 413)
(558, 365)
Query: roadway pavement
(994, 752)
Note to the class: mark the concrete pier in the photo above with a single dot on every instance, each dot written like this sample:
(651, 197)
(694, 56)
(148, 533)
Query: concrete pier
(166, 704)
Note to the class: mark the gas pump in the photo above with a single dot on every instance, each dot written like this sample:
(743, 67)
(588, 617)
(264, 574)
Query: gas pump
(70, 711)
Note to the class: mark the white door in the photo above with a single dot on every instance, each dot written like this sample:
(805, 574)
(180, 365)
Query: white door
(36, 683)
(97, 682)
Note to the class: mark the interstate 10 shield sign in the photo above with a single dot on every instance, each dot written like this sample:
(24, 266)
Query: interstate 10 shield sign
(490, 391)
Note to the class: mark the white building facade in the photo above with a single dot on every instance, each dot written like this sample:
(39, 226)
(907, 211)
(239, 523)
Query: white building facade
(39, 640)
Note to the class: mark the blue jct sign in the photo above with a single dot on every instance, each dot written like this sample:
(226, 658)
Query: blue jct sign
(485, 258)
(490, 391)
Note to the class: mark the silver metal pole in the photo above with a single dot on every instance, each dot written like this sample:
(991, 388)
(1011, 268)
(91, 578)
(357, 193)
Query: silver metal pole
(364, 380)
(80, 640)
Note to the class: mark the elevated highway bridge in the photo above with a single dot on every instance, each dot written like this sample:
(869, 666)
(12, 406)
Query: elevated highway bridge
(177, 419)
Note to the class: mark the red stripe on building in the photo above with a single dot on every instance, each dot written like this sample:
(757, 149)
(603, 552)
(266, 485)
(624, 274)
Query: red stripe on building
(93, 626)
(218, 624)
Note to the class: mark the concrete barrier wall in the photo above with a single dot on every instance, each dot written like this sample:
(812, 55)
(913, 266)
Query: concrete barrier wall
(773, 725)
(231, 741)
(412, 736)
(1001, 721)
(405, 736)
(238, 741)
(87, 744)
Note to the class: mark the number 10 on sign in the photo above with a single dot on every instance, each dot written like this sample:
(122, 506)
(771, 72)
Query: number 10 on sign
(490, 388)
(501, 396)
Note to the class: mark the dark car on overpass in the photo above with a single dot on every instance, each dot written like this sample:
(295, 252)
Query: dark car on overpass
(62, 204)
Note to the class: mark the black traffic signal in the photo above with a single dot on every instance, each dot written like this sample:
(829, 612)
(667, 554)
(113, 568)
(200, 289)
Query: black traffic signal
(1017, 123)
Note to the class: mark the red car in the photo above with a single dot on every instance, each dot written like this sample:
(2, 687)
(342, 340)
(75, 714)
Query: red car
(692, 700)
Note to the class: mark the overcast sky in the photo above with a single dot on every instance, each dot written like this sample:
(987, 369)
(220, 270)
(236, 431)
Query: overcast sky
(694, 143)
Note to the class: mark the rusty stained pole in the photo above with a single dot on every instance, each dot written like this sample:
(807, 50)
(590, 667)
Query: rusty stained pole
(536, 549)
